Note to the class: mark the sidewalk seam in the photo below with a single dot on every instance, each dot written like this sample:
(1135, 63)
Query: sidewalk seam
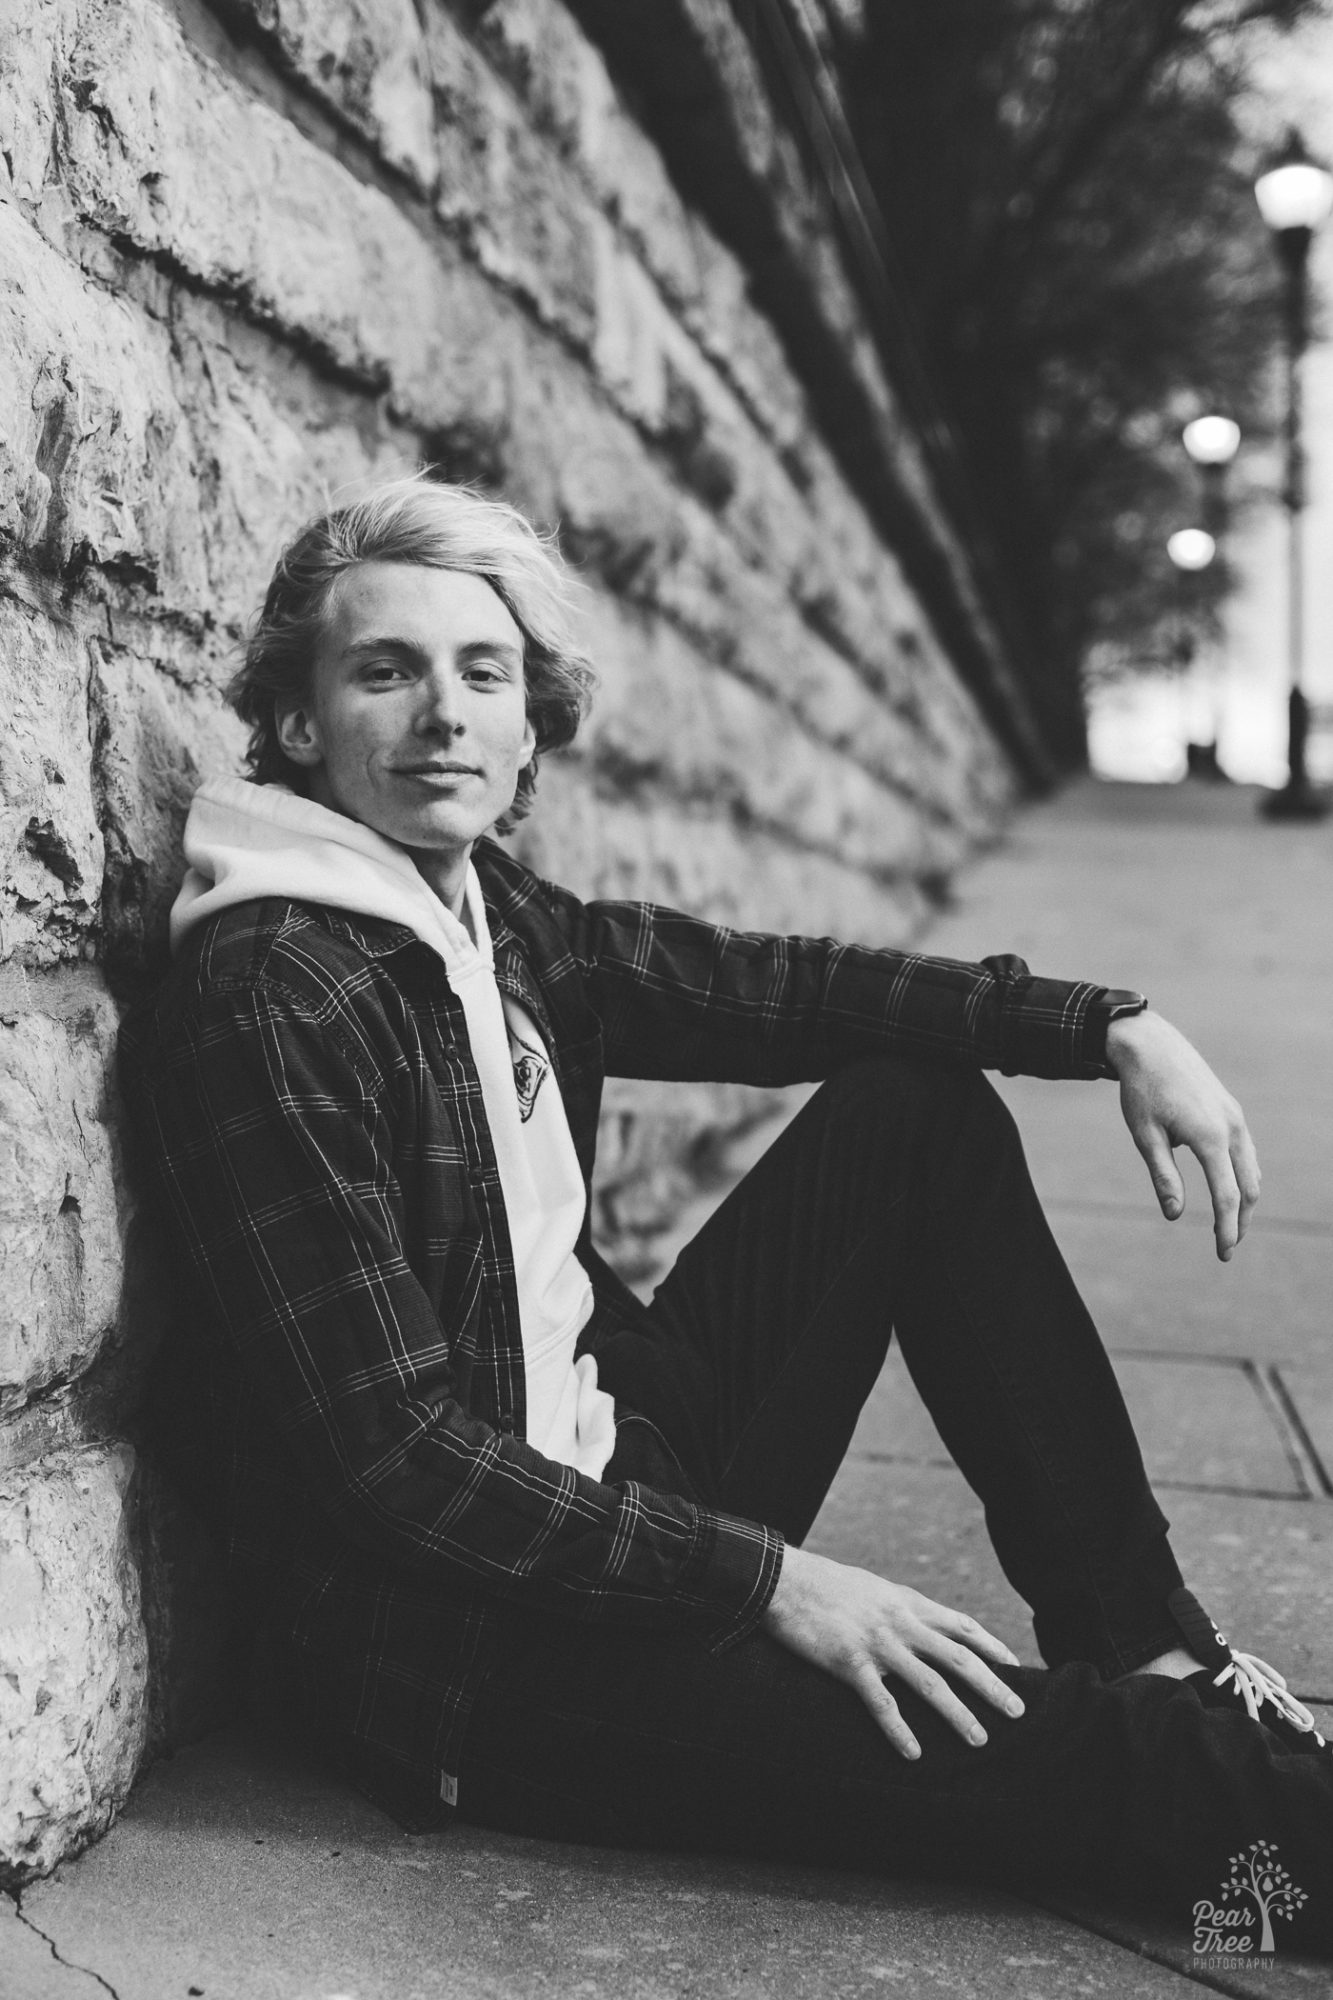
(1316, 1471)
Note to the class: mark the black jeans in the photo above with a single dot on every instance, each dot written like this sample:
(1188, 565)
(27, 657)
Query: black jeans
(898, 1200)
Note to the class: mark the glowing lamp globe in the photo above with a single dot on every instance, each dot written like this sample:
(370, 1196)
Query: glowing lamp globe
(1212, 440)
(1295, 195)
(1191, 548)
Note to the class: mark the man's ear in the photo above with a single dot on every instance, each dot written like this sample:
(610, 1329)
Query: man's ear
(529, 745)
(298, 735)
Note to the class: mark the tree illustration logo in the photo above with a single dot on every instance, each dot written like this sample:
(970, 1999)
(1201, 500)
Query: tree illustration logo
(1265, 1892)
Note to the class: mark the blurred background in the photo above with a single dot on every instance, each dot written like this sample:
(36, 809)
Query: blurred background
(1139, 727)
(1069, 195)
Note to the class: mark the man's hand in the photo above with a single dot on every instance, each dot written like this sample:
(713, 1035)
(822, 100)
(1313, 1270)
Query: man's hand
(1170, 1098)
(858, 1627)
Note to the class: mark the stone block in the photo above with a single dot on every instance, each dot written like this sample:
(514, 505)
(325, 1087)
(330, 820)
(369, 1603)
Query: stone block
(73, 1656)
(156, 743)
(557, 83)
(160, 467)
(669, 371)
(272, 443)
(740, 618)
(665, 1149)
(562, 83)
(667, 722)
(144, 109)
(658, 262)
(59, 1239)
(731, 705)
(565, 88)
(511, 197)
(628, 352)
(367, 58)
(421, 93)
(30, 108)
(772, 157)
(665, 552)
(99, 467)
(664, 383)
(551, 67)
(141, 110)
(51, 851)
(621, 847)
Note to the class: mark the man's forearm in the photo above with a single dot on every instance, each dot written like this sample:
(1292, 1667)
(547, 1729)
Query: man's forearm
(681, 999)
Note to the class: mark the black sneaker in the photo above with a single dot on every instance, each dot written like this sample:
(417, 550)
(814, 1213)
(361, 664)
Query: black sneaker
(1243, 1682)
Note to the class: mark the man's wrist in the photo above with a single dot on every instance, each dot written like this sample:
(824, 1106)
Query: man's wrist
(1114, 1004)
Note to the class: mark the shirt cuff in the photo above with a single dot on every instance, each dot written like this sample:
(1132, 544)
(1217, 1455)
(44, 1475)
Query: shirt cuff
(731, 1574)
(1045, 1024)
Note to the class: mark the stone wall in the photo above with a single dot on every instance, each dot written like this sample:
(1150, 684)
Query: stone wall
(251, 251)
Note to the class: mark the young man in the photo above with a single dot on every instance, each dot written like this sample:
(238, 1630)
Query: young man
(535, 1547)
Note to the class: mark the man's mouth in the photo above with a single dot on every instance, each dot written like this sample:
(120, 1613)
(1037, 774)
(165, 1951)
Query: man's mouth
(438, 770)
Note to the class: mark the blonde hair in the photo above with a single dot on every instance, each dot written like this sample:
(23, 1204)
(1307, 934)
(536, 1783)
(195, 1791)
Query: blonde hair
(416, 520)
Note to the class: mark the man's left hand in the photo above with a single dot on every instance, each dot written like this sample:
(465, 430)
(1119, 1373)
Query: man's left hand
(1170, 1098)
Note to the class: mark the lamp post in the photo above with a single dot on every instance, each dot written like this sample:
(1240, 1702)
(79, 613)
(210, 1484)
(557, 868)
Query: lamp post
(1294, 198)
(1191, 551)
(1212, 442)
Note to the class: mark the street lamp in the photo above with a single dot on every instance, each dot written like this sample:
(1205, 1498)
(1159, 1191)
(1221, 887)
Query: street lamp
(1294, 198)
(1191, 551)
(1212, 442)
(1191, 548)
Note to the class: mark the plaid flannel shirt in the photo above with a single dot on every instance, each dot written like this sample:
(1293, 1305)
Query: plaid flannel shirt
(345, 1387)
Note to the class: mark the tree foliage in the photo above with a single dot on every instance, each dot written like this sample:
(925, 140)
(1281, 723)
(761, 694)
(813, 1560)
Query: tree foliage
(1068, 194)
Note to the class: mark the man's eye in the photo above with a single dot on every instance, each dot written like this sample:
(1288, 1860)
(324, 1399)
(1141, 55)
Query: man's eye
(380, 671)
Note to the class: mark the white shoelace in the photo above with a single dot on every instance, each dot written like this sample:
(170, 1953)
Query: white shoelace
(1256, 1682)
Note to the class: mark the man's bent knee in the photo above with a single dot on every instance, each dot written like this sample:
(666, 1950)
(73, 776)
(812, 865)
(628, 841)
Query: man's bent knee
(899, 1086)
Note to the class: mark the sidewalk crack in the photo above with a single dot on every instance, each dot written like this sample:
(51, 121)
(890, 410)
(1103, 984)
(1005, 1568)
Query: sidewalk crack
(16, 1895)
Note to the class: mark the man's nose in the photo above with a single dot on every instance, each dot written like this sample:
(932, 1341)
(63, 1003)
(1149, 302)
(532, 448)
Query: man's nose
(438, 706)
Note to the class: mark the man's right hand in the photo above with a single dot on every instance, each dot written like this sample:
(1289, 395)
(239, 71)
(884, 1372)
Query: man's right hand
(859, 1627)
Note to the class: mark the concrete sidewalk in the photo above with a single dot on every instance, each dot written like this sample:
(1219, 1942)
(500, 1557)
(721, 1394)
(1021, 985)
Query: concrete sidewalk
(237, 1873)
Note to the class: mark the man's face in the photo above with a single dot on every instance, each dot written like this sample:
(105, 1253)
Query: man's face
(416, 721)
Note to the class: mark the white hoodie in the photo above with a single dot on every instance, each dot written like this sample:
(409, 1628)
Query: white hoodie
(246, 841)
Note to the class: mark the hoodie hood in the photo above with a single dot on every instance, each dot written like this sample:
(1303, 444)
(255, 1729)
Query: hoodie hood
(245, 841)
